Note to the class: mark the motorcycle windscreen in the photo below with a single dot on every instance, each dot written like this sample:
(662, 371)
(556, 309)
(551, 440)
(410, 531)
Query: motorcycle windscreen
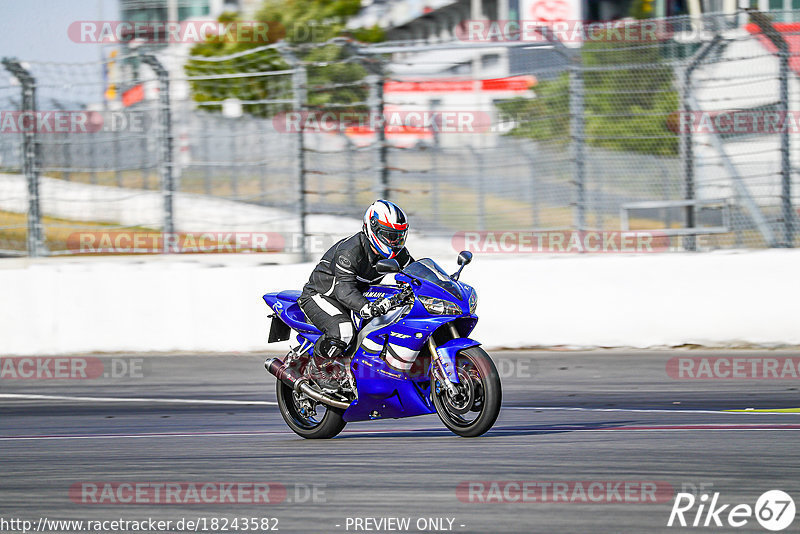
(427, 269)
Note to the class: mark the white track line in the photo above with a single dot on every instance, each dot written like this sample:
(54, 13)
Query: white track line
(140, 436)
(499, 431)
(223, 402)
(228, 402)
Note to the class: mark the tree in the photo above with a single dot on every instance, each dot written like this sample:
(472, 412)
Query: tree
(332, 79)
(629, 95)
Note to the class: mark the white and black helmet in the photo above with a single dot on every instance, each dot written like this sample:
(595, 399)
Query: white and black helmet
(386, 227)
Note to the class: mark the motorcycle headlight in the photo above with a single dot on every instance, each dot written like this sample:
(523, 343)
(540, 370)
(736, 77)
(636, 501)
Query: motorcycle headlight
(440, 306)
(473, 301)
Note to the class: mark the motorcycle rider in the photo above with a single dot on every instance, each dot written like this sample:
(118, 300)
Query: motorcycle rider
(337, 284)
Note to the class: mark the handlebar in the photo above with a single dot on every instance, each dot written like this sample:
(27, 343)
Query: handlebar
(399, 299)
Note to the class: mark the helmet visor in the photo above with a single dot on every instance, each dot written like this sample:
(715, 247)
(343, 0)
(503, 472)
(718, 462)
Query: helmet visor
(396, 239)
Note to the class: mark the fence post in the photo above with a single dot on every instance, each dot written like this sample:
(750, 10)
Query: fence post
(30, 153)
(299, 97)
(299, 82)
(376, 105)
(165, 138)
(577, 118)
(786, 166)
(686, 139)
(299, 85)
(782, 47)
(687, 154)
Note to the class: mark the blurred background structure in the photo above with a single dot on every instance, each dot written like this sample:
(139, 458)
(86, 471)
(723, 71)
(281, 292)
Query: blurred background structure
(566, 134)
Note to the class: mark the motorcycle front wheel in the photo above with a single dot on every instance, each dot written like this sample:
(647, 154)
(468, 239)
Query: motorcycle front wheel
(474, 408)
(307, 425)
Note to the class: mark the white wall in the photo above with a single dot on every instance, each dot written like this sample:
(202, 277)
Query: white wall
(213, 303)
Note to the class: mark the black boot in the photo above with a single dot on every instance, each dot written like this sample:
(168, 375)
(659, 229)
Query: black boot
(325, 367)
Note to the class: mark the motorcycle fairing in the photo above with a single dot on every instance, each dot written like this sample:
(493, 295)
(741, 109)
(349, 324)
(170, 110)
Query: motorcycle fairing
(284, 304)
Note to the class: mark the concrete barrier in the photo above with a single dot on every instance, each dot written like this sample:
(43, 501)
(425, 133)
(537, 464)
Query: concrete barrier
(213, 303)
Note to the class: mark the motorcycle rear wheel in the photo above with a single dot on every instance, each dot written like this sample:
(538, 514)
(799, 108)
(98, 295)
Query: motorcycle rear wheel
(480, 391)
(309, 427)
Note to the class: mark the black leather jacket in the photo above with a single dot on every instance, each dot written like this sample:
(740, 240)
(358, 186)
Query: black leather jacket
(347, 269)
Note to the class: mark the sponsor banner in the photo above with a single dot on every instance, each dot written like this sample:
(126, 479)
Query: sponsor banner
(510, 83)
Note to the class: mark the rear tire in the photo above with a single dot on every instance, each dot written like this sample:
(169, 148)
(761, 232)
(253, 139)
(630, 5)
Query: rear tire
(485, 391)
(325, 427)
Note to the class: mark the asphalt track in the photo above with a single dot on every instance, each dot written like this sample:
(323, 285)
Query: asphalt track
(605, 416)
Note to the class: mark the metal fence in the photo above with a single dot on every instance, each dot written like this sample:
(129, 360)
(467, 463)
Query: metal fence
(606, 134)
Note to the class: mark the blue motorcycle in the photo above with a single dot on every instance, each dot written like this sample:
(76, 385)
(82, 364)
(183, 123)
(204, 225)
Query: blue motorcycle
(414, 360)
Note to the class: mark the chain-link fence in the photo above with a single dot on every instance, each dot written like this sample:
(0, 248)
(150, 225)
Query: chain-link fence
(13, 223)
(76, 165)
(687, 128)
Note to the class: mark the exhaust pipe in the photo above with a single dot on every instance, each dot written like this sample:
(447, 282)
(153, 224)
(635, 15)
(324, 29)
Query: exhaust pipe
(300, 384)
(285, 375)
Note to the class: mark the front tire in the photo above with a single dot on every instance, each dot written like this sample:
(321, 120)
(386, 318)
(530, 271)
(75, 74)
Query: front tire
(480, 391)
(309, 427)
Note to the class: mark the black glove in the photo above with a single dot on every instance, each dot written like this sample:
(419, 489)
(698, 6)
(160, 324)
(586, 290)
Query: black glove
(381, 307)
(374, 309)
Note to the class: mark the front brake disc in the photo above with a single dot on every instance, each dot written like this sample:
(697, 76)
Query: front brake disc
(465, 398)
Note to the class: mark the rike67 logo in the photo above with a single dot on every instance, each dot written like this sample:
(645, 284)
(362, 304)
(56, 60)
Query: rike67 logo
(774, 510)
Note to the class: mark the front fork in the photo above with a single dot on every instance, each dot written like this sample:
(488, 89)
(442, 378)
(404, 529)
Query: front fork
(441, 367)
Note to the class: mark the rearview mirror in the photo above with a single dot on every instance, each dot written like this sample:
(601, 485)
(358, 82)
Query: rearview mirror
(464, 257)
(387, 266)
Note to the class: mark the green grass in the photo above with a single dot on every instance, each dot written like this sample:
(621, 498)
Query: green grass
(14, 230)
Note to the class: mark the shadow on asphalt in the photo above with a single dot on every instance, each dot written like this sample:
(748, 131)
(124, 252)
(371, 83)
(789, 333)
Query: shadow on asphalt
(497, 431)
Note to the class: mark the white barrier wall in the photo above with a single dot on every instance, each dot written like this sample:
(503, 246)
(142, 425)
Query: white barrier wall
(213, 303)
